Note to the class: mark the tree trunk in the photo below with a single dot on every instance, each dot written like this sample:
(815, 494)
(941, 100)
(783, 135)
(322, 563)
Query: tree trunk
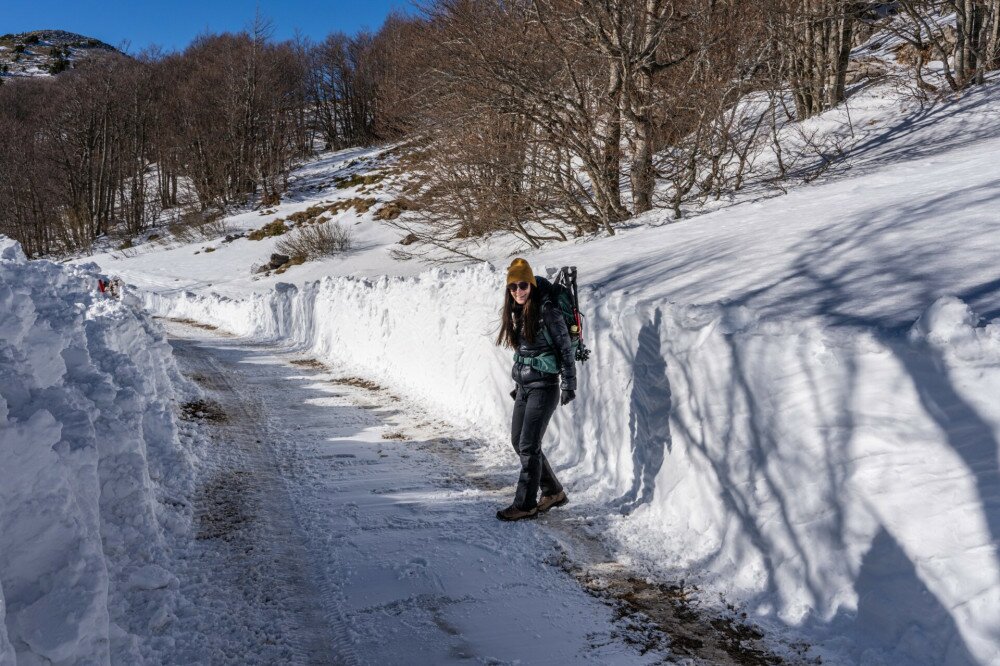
(844, 56)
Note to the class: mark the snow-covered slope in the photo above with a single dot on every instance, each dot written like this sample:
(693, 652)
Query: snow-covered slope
(791, 401)
(93, 474)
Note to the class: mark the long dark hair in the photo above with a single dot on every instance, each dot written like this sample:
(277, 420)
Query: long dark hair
(516, 320)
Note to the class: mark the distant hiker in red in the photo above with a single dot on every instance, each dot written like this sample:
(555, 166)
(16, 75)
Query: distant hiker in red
(534, 326)
(101, 286)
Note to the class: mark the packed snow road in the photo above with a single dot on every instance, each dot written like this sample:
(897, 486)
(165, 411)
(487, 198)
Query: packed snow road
(331, 529)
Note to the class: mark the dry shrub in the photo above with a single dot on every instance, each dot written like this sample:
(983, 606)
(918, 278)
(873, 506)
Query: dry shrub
(215, 226)
(414, 182)
(316, 241)
(193, 225)
(362, 205)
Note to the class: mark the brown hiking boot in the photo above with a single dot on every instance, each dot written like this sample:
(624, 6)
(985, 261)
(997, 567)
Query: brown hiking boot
(549, 501)
(512, 513)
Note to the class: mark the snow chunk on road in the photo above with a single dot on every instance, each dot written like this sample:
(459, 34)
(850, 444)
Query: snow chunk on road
(947, 321)
(87, 433)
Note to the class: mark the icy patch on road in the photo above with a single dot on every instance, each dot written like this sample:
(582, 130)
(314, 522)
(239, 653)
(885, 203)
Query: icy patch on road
(93, 477)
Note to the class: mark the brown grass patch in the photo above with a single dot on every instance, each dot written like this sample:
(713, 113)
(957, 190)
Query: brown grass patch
(196, 324)
(315, 214)
(310, 363)
(357, 179)
(273, 228)
(358, 382)
(393, 209)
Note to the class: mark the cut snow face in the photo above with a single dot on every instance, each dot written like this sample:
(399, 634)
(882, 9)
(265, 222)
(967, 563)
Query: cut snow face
(92, 466)
(791, 402)
(805, 470)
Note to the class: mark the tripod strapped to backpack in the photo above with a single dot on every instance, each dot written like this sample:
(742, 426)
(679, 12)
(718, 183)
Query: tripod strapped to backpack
(566, 279)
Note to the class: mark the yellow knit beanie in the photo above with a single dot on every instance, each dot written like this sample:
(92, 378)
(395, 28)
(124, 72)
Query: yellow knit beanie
(520, 271)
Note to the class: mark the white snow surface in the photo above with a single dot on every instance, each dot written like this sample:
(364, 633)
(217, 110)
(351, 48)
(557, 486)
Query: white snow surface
(792, 401)
(91, 462)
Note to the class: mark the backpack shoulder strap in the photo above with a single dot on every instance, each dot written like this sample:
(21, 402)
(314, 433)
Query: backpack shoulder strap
(547, 302)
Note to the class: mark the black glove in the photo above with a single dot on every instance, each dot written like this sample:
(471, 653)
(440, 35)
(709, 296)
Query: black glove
(567, 397)
(513, 394)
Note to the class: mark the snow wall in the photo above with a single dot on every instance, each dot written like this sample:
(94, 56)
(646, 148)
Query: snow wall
(840, 480)
(92, 473)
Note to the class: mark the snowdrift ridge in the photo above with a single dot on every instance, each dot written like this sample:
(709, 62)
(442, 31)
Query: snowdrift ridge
(93, 473)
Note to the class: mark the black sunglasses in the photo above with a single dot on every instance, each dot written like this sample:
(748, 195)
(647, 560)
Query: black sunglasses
(514, 286)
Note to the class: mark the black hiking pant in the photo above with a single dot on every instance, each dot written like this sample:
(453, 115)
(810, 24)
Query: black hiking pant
(533, 407)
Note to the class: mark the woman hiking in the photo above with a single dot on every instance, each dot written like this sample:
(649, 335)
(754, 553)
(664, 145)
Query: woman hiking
(535, 329)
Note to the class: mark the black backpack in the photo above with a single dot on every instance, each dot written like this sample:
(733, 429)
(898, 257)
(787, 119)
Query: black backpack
(565, 296)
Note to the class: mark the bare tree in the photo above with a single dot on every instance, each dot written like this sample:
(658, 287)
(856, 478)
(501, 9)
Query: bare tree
(513, 61)
(237, 119)
(966, 50)
(812, 45)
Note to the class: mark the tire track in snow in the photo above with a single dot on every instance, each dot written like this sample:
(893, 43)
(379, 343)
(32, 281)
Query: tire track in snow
(398, 558)
(244, 514)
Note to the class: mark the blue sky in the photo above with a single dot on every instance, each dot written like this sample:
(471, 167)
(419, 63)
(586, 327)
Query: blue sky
(172, 24)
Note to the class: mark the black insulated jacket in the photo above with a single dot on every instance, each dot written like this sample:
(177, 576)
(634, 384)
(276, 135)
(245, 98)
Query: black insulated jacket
(551, 318)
